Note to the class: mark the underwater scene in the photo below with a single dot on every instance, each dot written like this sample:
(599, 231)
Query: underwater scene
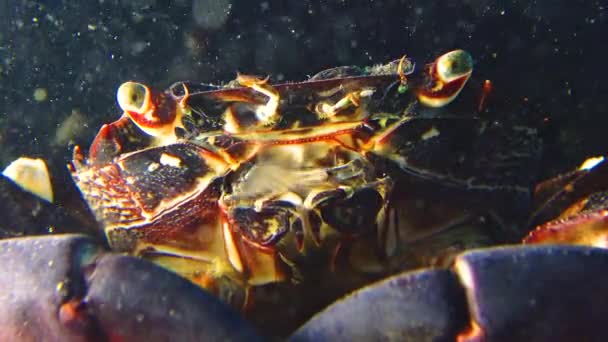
(399, 170)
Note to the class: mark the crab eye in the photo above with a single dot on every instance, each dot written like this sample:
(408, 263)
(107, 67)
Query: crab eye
(447, 76)
(132, 97)
(453, 65)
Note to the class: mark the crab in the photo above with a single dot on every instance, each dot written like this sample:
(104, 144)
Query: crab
(289, 179)
(295, 194)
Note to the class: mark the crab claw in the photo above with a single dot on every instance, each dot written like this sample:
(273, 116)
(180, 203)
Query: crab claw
(423, 299)
(65, 288)
(447, 76)
(539, 293)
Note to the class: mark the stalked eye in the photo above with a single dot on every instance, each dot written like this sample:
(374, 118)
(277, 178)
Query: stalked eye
(132, 97)
(447, 77)
(453, 65)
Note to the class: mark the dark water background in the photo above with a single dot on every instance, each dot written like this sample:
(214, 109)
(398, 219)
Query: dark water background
(551, 52)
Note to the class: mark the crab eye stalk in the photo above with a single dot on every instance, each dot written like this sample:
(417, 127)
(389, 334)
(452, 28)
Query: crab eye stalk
(133, 97)
(155, 113)
(447, 75)
(454, 65)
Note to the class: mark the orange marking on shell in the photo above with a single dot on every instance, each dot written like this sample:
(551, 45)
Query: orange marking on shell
(207, 282)
(184, 99)
(448, 75)
(154, 112)
(575, 208)
(73, 314)
(443, 93)
(78, 160)
(296, 141)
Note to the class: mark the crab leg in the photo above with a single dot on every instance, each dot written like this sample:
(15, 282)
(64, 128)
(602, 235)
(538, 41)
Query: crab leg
(324, 110)
(267, 114)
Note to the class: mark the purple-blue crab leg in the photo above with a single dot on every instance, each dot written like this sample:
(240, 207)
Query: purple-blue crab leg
(66, 288)
(519, 293)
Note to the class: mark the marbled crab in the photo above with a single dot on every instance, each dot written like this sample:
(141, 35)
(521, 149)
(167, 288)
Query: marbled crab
(291, 195)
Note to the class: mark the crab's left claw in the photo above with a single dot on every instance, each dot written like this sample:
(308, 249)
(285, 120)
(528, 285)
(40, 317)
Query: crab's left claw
(66, 288)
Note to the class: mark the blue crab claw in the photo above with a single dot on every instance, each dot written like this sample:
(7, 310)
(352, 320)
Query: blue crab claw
(407, 307)
(66, 288)
(540, 293)
(536, 293)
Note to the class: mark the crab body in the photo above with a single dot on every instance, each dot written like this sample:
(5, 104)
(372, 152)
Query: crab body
(295, 194)
(334, 180)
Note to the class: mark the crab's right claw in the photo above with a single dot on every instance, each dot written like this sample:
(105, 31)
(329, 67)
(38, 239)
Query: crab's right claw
(518, 293)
